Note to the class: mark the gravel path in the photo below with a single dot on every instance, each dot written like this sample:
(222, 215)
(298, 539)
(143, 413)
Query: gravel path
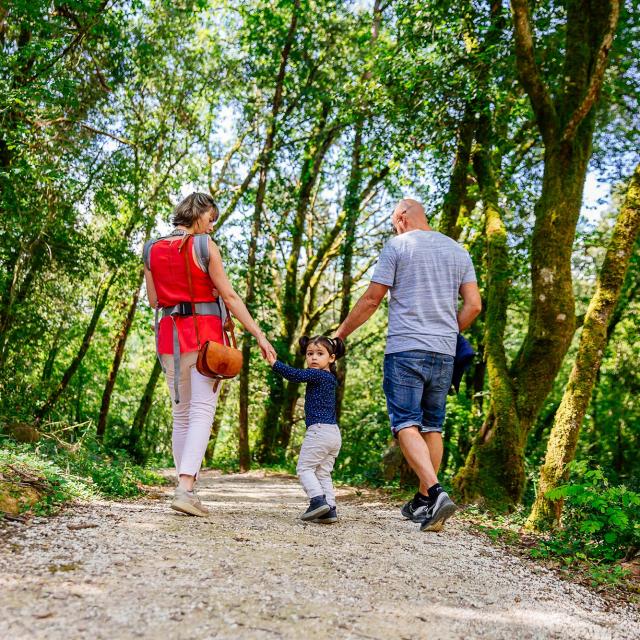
(135, 569)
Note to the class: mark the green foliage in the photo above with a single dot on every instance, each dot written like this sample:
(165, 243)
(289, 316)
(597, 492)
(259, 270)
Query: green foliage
(600, 522)
(56, 485)
(70, 472)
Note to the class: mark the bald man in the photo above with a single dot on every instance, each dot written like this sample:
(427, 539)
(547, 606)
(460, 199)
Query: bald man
(424, 272)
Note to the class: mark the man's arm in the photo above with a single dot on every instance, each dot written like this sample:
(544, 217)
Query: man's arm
(471, 305)
(363, 309)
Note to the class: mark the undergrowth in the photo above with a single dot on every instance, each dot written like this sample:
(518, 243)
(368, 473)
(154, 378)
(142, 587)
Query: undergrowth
(39, 477)
(600, 530)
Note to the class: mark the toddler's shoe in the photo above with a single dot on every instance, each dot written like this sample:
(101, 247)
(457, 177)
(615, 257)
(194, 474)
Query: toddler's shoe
(317, 507)
(328, 518)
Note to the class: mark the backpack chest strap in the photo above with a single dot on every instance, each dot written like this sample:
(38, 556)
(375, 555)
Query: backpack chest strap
(186, 309)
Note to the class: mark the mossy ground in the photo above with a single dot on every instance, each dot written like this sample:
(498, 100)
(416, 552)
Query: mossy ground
(38, 478)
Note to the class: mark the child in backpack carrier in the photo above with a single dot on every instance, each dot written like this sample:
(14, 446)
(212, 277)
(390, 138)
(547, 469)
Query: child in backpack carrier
(322, 440)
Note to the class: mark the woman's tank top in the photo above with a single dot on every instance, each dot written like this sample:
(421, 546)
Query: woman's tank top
(169, 273)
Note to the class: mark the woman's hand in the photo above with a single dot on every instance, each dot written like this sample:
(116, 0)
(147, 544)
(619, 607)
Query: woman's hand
(268, 352)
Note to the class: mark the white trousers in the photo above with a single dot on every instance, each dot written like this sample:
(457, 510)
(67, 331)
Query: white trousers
(193, 415)
(318, 453)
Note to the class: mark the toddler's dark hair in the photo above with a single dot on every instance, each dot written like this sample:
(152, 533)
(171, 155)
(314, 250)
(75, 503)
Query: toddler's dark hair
(335, 347)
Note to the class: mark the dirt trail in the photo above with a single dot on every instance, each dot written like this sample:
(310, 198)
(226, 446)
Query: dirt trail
(122, 570)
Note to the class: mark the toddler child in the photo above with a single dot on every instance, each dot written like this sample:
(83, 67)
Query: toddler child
(322, 441)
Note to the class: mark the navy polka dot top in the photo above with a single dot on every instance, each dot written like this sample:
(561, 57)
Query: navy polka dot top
(320, 400)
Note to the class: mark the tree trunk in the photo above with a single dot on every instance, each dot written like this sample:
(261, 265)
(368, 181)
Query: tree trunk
(352, 202)
(566, 124)
(456, 196)
(275, 426)
(496, 474)
(479, 372)
(27, 264)
(84, 347)
(393, 464)
(352, 213)
(256, 226)
(563, 439)
(137, 426)
(290, 402)
(517, 395)
(47, 370)
(117, 359)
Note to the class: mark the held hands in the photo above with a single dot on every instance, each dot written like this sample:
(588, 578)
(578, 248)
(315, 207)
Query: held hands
(268, 352)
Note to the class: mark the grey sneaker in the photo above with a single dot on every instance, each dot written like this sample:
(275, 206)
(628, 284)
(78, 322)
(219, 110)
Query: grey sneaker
(443, 508)
(416, 509)
(419, 514)
(188, 502)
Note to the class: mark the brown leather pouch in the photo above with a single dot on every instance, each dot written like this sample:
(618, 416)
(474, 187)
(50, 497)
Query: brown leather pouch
(217, 360)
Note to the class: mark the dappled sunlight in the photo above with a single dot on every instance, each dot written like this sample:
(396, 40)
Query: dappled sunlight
(517, 619)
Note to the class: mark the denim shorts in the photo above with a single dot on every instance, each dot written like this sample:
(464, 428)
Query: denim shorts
(416, 384)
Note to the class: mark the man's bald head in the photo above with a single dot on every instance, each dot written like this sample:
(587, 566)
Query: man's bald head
(409, 215)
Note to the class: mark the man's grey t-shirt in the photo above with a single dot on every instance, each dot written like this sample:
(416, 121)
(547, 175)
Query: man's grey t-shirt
(424, 270)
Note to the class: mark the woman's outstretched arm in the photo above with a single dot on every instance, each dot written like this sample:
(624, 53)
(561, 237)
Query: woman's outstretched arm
(233, 301)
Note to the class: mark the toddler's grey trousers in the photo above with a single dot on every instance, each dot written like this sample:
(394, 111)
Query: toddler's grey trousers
(319, 451)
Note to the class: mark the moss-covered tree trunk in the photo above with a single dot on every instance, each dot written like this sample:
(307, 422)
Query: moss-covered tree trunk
(283, 398)
(456, 201)
(352, 211)
(566, 123)
(494, 465)
(568, 420)
(217, 423)
(274, 427)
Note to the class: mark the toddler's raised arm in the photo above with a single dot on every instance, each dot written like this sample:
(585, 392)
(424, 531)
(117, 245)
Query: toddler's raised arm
(300, 375)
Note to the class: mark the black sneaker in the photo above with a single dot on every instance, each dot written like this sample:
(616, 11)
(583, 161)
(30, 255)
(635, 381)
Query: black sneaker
(328, 518)
(416, 509)
(317, 507)
(443, 508)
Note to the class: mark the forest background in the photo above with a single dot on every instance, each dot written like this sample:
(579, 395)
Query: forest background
(516, 124)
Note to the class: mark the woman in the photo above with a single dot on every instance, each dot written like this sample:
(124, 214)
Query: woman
(177, 336)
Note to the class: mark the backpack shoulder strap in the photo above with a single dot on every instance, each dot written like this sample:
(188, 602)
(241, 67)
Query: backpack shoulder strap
(148, 245)
(146, 252)
(201, 246)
